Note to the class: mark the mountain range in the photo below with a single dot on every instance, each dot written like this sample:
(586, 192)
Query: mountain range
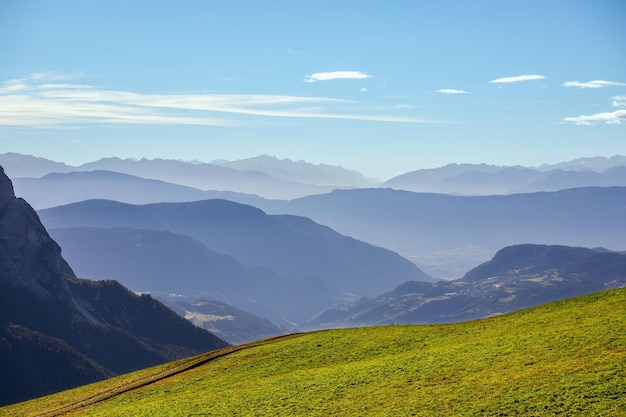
(59, 331)
(447, 261)
(264, 176)
(437, 231)
(272, 178)
(289, 265)
(484, 179)
(286, 266)
(163, 263)
(517, 277)
(303, 172)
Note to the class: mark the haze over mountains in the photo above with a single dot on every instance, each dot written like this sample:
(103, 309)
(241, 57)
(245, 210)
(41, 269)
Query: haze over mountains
(442, 261)
(483, 179)
(264, 176)
(273, 178)
(447, 235)
(299, 263)
(517, 277)
(57, 189)
(289, 265)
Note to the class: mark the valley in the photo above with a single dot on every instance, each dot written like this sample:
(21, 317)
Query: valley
(246, 268)
(245, 208)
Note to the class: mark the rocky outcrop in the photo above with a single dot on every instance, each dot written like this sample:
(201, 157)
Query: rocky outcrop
(28, 256)
(58, 331)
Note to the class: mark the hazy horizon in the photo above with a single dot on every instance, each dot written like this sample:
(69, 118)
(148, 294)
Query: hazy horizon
(252, 157)
(382, 89)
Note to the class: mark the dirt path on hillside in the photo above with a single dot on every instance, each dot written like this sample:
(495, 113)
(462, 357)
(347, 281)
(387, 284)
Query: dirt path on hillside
(184, 366)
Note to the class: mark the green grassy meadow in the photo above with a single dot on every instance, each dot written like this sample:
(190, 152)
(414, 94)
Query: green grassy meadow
(564, 358)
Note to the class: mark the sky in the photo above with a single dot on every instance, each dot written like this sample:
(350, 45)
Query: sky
(379, 87)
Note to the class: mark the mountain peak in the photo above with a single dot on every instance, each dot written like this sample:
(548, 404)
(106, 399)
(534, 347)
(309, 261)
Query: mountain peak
(6, 189)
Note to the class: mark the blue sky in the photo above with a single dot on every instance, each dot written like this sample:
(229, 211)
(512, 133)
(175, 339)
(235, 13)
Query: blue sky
(380, 87)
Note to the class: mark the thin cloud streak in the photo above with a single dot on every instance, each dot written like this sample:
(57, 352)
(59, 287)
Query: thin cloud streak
(452, 91)
(23, 110)
(25, 103)
(592, 84)
(335, 75)
(517, 78)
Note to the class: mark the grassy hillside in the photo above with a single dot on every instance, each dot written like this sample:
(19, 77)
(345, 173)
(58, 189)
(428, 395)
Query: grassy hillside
(565, 358)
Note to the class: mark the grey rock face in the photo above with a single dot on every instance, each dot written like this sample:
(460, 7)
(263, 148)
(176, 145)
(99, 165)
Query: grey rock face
(28, 256)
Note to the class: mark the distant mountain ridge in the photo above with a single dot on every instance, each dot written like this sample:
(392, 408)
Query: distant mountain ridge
(64, 188)
(273, 178)
(483, 179)
(264, 176)
(206, 176)
(310, 265)
(301, 171)
(18, 165)
(59, 331)
(426, 227)
(516, 277)
(596, 163)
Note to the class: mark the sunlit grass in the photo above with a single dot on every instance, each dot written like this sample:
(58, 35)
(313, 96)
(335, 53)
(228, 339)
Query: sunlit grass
(564, 358)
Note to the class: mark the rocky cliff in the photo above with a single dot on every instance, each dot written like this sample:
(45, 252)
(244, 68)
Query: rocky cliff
(58, 331)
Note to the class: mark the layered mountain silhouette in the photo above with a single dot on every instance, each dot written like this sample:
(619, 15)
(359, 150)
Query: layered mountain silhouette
(58, 331)
(18, 165)
(483, 179)
(57, 189)
(265, 176)
(421, 226)
(162, 263)
(290, 264)
(273, 178)
(517, 277)
(208, 177)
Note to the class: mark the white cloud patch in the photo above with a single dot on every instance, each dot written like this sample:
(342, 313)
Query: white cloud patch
(451, 91)
(517, 79)
(592, 84)
(363, 90)
(335, 75)
(36, 102)
(619, 101)
(616, 117)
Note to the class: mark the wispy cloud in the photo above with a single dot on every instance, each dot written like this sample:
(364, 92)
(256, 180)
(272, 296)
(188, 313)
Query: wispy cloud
(517, 79)
(592, 84)
(619, 101)
(616, 117)
(35, 102)
(335, 75)
(451, 91)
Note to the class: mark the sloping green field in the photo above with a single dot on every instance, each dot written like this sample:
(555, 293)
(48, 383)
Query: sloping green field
(564, 358)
